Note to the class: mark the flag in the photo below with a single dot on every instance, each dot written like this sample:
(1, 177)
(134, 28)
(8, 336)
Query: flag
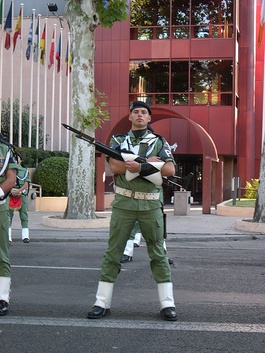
(42, 45)
(68, 60)
(1, 12)
(36, 42)
(28, 51)
(51, 52)
(17, 30)
(8, 27)
(262, 21)
(58, 54)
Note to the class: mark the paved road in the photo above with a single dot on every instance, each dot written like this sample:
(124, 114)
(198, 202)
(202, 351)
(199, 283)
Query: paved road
(218, 287)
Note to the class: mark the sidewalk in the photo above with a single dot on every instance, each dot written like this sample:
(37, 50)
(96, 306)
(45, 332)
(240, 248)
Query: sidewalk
(193, 227)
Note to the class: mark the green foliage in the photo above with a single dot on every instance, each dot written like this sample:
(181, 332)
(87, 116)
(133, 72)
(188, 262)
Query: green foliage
(31, 157)
(111, 11)
(51, 174)
(251, 189)
(96, 115)
(5, 124)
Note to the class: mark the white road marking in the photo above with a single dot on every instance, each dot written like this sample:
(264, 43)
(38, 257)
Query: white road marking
(140, 325)
(61, 268)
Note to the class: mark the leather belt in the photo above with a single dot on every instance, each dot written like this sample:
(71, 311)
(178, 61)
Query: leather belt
(137, 194)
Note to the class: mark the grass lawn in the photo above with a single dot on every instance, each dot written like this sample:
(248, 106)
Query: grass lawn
(242, 203)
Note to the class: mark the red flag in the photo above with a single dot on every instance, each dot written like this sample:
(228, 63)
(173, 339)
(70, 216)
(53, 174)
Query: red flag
(58, 55)
(262, 21)
(8, 27)
(17, 30)
(51, 52)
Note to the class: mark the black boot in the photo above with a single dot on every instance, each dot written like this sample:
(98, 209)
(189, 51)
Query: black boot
(169, 314)
(3, 307)
(97, 312)
(125, 258)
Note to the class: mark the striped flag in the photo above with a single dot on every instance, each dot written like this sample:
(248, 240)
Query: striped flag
(36, 42)
(8, 27)
(28, 51)
(17, 30)
(42, 45)
(58, 54)
(51, 52)
(68, 60)
(262, 21)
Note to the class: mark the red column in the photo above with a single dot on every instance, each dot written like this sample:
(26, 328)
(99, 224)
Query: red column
(219, 181)
(206, 185)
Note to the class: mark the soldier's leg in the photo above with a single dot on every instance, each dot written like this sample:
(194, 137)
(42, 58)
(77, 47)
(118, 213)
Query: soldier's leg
(121, 225)
(23, 214)
(5, 279)
(10, 216)
(152, 228)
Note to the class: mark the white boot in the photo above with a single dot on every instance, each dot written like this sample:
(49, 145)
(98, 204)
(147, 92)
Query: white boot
(10, 234)
(25, 235)
(165, 293)
(104, 294)
(137, 239)
(5, 283)
(128, 248)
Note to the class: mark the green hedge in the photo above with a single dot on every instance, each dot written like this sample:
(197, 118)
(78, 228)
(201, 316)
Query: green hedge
(51, 174)
(32, 157)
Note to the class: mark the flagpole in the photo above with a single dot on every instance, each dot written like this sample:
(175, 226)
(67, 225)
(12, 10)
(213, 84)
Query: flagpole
(60, 95)
(11, 118)
(1, 65)
(21, 80)
(45, 87)
(53, 88)
(31, 83)
(38, 86)
(68, 91)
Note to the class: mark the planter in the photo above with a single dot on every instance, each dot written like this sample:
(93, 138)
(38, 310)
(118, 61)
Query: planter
(223, 210)
(58, 204)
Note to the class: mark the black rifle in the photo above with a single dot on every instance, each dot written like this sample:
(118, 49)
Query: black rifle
(101, 147)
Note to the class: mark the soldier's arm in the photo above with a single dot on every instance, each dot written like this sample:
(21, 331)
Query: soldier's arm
(168, 169)
(117, 167)
(10, 181)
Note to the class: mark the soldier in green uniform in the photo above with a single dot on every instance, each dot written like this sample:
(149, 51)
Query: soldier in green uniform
(8, 167)
(138, 197)
(21, 190)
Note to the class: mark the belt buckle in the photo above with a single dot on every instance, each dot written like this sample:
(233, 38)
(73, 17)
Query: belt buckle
(132, 194)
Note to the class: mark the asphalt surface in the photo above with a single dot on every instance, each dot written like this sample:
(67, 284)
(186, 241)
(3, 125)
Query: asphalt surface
(193, 227)
(218, 275)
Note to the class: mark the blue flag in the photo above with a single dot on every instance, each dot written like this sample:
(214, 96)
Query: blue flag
(28, 51)
(8, 27)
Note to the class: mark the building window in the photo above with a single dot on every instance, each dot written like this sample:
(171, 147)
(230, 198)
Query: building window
(195, 82)
(181, 19)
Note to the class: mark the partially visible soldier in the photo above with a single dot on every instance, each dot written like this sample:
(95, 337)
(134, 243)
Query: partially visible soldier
(8, 168)
(21, 191)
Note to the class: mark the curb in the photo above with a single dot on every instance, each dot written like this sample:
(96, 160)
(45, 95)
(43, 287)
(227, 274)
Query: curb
(59, 222)
(247, 225)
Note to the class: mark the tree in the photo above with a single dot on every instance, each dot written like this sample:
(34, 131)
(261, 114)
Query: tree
(83, 17)
(259, 213)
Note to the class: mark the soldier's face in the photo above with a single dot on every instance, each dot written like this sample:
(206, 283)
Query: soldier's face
(139, 118)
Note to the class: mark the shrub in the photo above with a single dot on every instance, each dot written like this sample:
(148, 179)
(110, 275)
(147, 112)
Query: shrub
(32, 156)
(51, 174)
(251, 189)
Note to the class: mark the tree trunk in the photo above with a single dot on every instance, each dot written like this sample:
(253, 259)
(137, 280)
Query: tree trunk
(259, 213)
(82, 20)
